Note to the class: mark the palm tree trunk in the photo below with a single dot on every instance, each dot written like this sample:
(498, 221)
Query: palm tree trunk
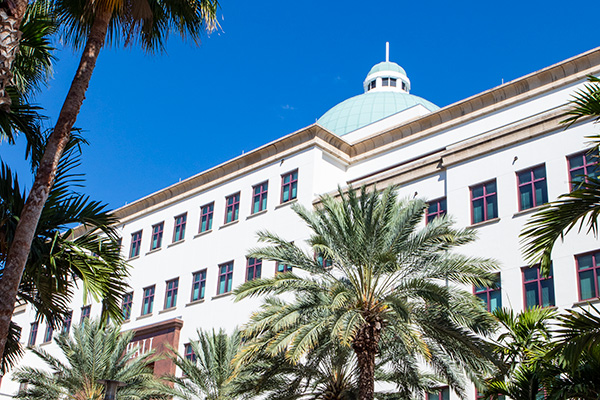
(19, 250)
(365, 345)
(11, 15)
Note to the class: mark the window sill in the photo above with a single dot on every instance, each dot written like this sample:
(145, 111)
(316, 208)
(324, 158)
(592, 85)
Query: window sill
(594, 300)
(133, 258)
(176, 243)
(221, 295)
(143, 316)
(126, 321)
(166, 310)
(287, 203)
(257, 214)
(487, 222)
(192, 303)
(229, 224)
(528, 211)
(45, 343)
(20, 309)
(154, 250)
(202, 233)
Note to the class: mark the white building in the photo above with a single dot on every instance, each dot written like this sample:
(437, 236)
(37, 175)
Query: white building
(488, 160)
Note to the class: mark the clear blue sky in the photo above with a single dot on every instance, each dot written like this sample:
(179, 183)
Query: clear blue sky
(277, 66)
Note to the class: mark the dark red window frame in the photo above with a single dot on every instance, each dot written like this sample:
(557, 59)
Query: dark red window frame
(172, 286)
(157, 235)
(206, 217)
(67, 322)
(488, 291)
(179, 228)
(491, 197)
(259, 197)
(282, 268)
(198, 285)
(436, 208)
(589, 167)
(226, 277)
(48, 334)
(253, 268)
(188, 352)
(127, 305)
(595, 269)
(85, 313)
(136, 243)
(440, 394)
(148, 300)
(289, 186)
(532, 183)
(232, 209)
(538, 281)
(33, 334)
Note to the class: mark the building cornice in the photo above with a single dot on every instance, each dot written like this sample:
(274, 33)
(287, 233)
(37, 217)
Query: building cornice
(567, 72)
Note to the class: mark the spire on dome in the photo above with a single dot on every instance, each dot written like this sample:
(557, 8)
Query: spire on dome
(387, 76)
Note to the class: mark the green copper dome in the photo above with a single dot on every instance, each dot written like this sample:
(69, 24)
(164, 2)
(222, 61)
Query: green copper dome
(387, 66)
(364, 109)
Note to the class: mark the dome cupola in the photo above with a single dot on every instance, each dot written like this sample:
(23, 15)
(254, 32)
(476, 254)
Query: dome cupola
(387, 76)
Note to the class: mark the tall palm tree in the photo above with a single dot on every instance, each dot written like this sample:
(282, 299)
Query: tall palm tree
(131, 21)
(59, 261)
(92, 354)
(208, 373)
(579, 208)
(389, 281)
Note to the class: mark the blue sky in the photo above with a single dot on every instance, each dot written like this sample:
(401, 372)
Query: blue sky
(277, 66)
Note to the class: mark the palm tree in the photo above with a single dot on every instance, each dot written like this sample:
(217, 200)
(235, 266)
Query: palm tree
(58, 261)
(92, 354)
(525, 338)
(145, 21)
(388, 281)
(580, 207)
(208, 372)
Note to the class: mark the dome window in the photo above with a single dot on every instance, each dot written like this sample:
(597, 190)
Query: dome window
(403, 85)
(393, 82)
(385, 82)
(372, 85)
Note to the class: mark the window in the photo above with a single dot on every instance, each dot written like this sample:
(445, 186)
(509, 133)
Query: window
(281, 268)
(393, 82)
(253, 269)
(198, 285)
(49, 333)
(232, 209)
(225, 277)
(436, 208)
(484, 202)
(171, 293)
(372, 85)
(326, 263)
(480, 396)
(85, 313)
(188, 352)
(582, 165)
(588, 274)
(206, 217)
(148, 300)
(443, 394)
(259, 198)
(67, 323)
(491, 296)
(136, 241)
(127, 303)
(32, 334)
(539, 291)
(157, 235)
(179, 231)
(403, 85)
(533, 190)
(289, 186)
(385, 82)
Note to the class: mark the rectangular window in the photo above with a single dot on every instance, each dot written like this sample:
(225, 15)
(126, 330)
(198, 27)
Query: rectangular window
(281, 268)
(484, 202)
(533, 190)
(225, 277)
(588, 274)
(171, 293)
(206, 217)
(326, 263)
(32, 334)
(148, 300)
(85, 313)
(253, 269)
(289, 186)
(49, 333)
(157, 235)
(491, 296)
(538, 291)
(436, 208)
(198, 285)
(232, 209)
(582, 165)
(136, 241)
(480, 396)
(127, 304)
(385, 82)
(393, 82)
(179, 231)
(67, 322)
(188, 352)
(443, 394)
(259, 197)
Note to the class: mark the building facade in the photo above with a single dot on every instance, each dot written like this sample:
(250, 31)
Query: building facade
(489, 161)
